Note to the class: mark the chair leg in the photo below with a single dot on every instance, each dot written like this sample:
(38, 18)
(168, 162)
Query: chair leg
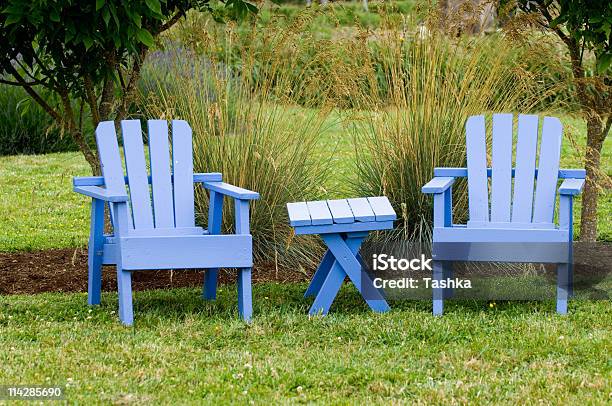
(124, 284)
(210, 284)
(448, 274)
(562, 287)
(438, 293)
(94, 279)
(95, 253)
(245, 300)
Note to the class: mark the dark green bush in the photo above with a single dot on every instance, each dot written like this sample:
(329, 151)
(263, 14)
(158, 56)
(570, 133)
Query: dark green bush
(25, 128)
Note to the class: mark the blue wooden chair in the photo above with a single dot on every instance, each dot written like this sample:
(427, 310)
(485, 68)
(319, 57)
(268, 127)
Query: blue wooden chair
(519, 224)
(159, 232)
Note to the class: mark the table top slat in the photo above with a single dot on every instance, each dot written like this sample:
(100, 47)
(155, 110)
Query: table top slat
(340, 211)
(298, 214)
(382, 208)
(361, 209)
(319, 213)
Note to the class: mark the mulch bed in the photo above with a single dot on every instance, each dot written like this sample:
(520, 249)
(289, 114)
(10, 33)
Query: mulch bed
(65, 270)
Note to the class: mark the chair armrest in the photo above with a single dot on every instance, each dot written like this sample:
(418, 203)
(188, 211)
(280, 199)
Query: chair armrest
(571, 187)
(100, 193)
(438, 185)
(231, 191)
(207, 177)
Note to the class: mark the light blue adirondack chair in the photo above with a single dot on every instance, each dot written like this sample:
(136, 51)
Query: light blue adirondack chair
(518, 226)
(159, 232)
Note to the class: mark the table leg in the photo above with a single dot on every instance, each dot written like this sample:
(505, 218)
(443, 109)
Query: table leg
(345, 251)
(328, 291)
(320, 275)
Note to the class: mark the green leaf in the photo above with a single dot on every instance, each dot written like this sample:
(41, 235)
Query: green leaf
(12, 19)
(145, 37)
(154, 6)
(603, 62)
(106, 15)
(135, 17)
(88, 41)
(99, 4)
(54, 16)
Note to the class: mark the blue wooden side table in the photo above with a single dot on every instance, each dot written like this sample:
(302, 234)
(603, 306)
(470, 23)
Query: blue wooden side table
(343, 225)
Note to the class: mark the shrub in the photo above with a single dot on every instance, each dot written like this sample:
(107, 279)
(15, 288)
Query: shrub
(25, 128)
(254, 136)
(433, 84)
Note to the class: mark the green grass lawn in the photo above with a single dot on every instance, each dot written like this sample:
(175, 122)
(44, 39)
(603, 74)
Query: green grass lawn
(38, 209)
(182, 349)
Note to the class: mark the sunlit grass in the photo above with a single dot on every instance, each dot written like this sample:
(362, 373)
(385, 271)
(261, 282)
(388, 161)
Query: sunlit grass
(182, 349)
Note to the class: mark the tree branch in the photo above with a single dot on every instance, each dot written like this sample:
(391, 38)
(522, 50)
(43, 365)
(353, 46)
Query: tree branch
(46, 71)
(91, 98)
(107, 99)
(9, 82)
(56, 116)
(130, 88)
(77, 135)
(170, 22)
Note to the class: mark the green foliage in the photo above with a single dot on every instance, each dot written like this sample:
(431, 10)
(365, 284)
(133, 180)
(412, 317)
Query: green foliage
(65, 39)
(591, 22)
(25, 128)
(587, 21)
(86, 51)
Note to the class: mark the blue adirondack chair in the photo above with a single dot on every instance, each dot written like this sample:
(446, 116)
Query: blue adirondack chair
(160, 232)
(519, 225)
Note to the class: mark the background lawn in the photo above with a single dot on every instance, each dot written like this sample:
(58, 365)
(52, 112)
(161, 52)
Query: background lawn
(38, 209)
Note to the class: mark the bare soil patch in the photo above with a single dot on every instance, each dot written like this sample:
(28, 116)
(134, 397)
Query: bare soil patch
(65, 270)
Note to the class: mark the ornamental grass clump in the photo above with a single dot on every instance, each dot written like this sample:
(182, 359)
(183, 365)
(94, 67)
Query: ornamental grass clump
(432, 85)
(246, 125)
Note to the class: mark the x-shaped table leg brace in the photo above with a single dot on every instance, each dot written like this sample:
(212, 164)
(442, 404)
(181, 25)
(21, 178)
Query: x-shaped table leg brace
(342, 259)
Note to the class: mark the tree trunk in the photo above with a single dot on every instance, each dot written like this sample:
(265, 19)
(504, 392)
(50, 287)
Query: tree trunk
(588, 215)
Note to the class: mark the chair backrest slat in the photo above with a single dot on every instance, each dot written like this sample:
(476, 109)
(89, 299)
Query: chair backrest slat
(110, 160)
(501, 177)
(526, 145)
(477, 169)
(182, 165)
(548, 170)
(140, 195)
(161, 180)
